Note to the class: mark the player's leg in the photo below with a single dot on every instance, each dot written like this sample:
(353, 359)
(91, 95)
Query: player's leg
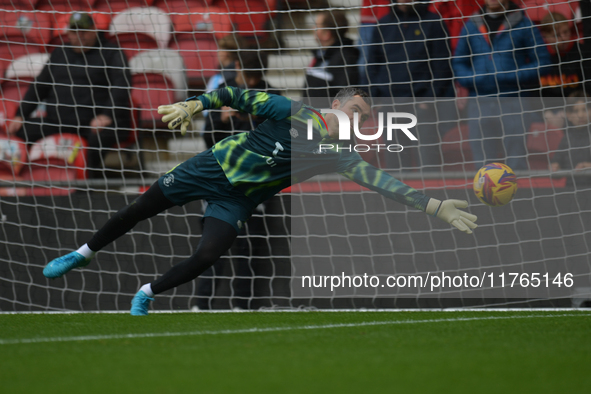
(217, 238)
(149, 204)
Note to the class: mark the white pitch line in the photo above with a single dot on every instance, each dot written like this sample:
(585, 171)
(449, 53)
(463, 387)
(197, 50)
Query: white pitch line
(304, 310)
(263, 330)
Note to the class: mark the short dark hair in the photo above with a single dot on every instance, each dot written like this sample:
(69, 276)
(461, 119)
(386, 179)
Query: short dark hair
(336, 22)
(347, 94)
(548, 22)
(81, 21)
(232, 43)
(253, 63)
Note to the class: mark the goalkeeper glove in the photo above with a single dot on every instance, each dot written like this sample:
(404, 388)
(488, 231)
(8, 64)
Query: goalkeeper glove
(448, 211)
(180, 113)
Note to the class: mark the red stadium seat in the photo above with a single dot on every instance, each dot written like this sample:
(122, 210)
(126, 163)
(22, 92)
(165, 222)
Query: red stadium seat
(134, 43)
(23, 33)
(12, 93)
(195, 35)
(23, 5)
(158, 78)
(64, 5)
(249, 17)
(56, 158)
(455, 13)
(13, 157)
(373, 10)
(140, 29)
(204, 19)
(60, 25)
(199, 53)
(109, 6)
(537, 9)
(19, 75)
(149, 91)
(67, 149)
(180, 6)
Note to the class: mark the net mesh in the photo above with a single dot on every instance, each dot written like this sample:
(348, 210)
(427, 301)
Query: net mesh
(52, 198)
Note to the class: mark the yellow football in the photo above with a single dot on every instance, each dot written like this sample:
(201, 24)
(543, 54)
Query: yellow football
(495, 184)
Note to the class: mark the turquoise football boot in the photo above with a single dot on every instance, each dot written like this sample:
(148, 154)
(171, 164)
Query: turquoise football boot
(64, 264)
(140, 304)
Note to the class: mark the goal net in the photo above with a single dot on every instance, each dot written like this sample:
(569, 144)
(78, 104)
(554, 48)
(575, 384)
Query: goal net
(504, 84)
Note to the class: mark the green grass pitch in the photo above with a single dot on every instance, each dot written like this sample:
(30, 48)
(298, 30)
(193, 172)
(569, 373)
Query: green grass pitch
(297, 352)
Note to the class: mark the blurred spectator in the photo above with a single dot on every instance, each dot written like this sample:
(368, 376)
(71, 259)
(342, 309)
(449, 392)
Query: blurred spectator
(371, 12)
(335, 64)
(574, 151)
(501, 53)
(409, 61)
(85, 87)
(228, 48)
(454, 13)
(409, 54)
(567, 74)
(249, 75)
(585, 7)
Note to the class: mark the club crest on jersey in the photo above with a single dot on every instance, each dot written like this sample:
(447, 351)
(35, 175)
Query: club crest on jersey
(293, 132)
(321, 150)
(168, 180)
(239, 223)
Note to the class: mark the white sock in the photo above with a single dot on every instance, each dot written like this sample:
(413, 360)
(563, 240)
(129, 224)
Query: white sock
(147, 289)
(86, 252)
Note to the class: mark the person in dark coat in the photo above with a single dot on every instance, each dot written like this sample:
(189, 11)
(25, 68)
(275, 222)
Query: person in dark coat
(335, 63)
(85, 87)
(500, 54)
(410, 54)
(409, 61)
(567, 74)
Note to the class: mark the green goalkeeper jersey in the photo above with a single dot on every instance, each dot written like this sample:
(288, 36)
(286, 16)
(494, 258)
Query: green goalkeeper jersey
(279, 152)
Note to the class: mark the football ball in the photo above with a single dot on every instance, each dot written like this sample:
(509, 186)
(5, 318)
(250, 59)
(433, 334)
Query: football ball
(495, 184)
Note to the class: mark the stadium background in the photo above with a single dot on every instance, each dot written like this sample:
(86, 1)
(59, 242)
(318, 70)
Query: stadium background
(45, 205)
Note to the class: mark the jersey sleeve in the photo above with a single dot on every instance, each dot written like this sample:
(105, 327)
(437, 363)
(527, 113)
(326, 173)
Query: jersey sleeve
(266, 105)
(377, 180)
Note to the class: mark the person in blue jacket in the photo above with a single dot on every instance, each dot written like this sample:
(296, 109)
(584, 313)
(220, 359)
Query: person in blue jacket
(499, 58)
(409, 60)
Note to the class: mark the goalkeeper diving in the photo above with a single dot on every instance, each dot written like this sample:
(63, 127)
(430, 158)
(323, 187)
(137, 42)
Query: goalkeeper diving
(242, 171)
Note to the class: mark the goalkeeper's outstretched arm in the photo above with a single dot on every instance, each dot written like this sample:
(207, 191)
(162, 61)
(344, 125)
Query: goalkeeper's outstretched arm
(375, 179)
(254, 102)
